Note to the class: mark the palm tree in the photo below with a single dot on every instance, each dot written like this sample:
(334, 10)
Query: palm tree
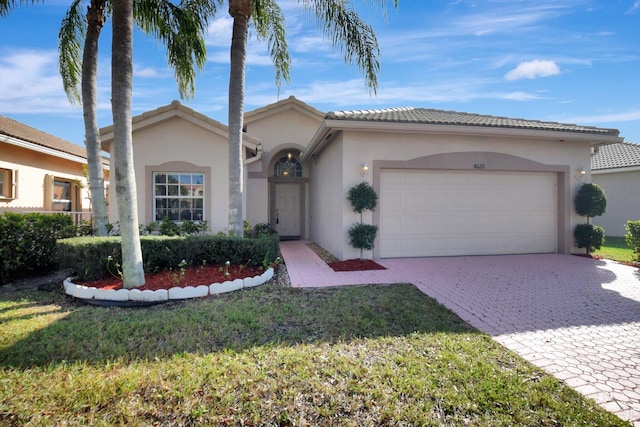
(182, 32)
(178, 27)
(341, 24)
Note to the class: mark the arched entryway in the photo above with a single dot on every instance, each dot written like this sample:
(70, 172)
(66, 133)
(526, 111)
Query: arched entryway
(287, 188)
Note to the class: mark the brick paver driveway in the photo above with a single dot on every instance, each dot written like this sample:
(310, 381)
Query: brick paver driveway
(577, 318)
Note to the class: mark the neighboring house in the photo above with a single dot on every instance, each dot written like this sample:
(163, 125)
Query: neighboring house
(616, 168)
(448, 183)
(41, 173)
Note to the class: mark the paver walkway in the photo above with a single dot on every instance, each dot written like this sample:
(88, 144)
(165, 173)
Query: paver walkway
(574, 317)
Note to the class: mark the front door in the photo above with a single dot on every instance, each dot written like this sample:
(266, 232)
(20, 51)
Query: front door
(287, 212)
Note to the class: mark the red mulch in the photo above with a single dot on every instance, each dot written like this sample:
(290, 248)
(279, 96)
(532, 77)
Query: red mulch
(192, 276)
(356, 265)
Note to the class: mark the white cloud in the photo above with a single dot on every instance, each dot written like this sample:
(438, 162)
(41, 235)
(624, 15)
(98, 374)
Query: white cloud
(533, 69)
(634, 8)
(30, 82)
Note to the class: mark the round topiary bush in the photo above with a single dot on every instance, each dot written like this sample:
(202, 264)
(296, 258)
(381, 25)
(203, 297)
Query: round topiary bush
(590, 201)
(362, 197)
(362, 236)
(589, 236)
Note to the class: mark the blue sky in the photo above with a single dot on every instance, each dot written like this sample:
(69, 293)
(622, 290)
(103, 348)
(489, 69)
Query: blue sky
(572, 61)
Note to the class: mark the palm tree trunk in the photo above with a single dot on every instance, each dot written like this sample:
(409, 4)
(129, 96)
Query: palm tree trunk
(95, 21)
(125, 181)
(240, 11)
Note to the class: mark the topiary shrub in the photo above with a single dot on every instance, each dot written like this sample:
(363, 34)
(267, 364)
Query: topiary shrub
(362, 236)
(362, 197)
(590, 201)
(633, 237)
(589, 236)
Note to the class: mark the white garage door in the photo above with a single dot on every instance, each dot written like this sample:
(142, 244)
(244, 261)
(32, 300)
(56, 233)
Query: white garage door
(445, 213)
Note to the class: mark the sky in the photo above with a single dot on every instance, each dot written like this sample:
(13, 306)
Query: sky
(569, 61)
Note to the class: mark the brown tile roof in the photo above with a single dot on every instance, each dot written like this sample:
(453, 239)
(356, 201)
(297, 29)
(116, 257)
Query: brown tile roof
(442, 117)
(614, 156)
(26, 133)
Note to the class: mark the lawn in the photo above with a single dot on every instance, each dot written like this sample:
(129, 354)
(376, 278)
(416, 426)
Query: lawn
(615, 248)
(269, 356)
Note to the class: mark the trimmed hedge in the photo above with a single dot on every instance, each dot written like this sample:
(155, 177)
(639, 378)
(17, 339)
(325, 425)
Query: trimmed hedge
(633, 237)
(28, 243)
(93, 257)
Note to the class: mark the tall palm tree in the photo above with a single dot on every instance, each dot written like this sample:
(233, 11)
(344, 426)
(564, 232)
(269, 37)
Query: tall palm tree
(340, 23)
(180, 28)
(125, 181)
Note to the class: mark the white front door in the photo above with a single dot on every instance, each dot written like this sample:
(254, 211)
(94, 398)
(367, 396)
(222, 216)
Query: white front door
(287, 219)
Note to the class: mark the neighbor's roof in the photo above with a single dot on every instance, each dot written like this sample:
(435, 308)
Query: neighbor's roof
(20, 131)
(614, 156)
(442, 117)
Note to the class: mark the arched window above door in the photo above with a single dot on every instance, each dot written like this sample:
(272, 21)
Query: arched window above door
(288, 167)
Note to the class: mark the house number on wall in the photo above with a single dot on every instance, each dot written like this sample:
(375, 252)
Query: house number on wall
(479, 166)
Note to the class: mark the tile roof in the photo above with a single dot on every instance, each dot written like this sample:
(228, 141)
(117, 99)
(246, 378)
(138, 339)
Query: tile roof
(614, 156)
(442, 117)
(17, 130)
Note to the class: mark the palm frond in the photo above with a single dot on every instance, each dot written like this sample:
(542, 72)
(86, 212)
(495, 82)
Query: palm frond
(348, 33)
(269, 23)
(70, 40)
(7, 6)
(181, 29)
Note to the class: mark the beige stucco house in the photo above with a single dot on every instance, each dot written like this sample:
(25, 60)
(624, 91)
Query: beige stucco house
(448, 183)
(616, 168)
(40, 172)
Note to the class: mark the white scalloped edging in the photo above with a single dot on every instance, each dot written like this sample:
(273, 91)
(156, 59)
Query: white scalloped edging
(86, 292)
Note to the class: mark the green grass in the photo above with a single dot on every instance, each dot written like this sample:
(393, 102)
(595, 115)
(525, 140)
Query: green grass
(360, 355)
(615, 248)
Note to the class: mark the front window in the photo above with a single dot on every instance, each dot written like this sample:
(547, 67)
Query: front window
(61, 195)
(288, 167)
(178, 196)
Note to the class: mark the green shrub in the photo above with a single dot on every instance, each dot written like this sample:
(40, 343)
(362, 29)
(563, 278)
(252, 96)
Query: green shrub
(28, 243)
(88, 256)
(633, 237)
(590, 201)
(589, 236)
(362, 235)
(362, 197)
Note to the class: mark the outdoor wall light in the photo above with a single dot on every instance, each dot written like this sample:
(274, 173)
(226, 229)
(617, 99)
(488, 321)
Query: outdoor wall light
(364, 169)
(580, 173)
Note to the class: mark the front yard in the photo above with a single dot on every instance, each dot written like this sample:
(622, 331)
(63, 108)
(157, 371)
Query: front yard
(615, 248)
(359, 355)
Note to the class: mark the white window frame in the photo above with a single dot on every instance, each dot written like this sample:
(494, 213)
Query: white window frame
(195, 191)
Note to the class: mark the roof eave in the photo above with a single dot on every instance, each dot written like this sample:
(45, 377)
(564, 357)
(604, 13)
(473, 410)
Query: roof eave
(42, 149)
(615, 170)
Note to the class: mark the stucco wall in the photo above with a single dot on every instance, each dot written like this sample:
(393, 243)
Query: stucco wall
(327, 200)
(359, 147)
(32, 168)
(176, 140)
(622, 190)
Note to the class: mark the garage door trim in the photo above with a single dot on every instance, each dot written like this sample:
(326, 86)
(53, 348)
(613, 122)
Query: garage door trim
(480, 162)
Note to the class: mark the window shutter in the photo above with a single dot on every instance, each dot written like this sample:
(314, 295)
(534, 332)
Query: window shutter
(48, 193)
(14, 184)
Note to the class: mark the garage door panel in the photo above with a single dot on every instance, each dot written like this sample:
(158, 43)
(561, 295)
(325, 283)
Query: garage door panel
(442, 213)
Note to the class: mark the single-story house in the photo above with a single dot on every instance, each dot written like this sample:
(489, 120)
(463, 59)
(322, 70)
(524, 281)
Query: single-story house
(40, 172)
(616, 168)
(448, 183)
